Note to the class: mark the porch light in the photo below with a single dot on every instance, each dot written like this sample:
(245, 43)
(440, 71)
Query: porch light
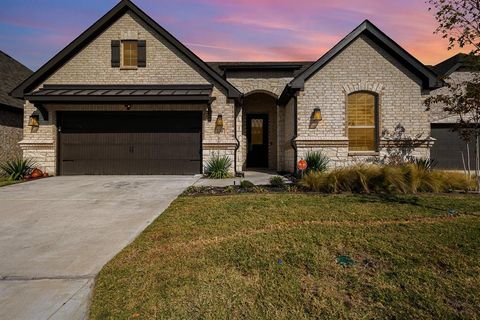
(317, 114)
(34, 121)
(219, 122)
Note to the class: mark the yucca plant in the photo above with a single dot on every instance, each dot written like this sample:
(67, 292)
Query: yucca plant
(277, 182)
(218, 167)
(317, 161)
(17, 169)
(422, 163)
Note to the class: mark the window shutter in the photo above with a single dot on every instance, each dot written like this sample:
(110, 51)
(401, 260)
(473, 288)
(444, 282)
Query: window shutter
(142, 53)
(115, 53)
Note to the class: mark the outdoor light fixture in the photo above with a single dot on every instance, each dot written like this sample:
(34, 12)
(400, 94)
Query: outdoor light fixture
(128, 107)
(219, 122)
(34, 121)
(317, 114)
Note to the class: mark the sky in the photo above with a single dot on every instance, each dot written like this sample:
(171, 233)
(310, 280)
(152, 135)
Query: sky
(33, 31)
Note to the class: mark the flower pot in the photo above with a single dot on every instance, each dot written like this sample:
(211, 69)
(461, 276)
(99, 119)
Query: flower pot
(37, 173)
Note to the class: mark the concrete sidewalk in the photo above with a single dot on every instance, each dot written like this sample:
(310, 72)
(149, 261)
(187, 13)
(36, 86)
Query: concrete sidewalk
(57, 233)
(256, 177)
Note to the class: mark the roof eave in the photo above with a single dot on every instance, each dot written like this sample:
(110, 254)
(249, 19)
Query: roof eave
(428, 77)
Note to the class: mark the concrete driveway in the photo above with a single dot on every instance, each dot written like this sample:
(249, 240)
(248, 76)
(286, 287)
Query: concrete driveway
(57, 233)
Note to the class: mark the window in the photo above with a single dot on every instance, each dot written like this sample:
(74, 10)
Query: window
(130, 54)
(257, 132)
(362, 121)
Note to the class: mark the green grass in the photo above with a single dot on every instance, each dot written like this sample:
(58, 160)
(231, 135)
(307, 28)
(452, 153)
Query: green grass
(6, 182)
(273, 256)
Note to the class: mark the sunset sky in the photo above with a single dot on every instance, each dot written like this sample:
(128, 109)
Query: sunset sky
(32, 31)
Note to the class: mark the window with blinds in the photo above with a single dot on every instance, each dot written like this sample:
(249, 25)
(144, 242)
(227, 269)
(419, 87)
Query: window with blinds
(362, 121)
(130, 54)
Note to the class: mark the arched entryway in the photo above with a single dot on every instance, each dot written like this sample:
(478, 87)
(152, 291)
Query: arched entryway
(260, 130)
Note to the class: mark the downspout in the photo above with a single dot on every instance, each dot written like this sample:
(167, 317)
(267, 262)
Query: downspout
(295, 132)
(236, 138)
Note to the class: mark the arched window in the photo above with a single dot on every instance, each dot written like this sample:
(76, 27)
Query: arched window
(362, 117)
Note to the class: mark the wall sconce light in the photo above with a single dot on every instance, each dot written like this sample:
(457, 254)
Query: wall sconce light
(317, 114)
(34, 121)
(128, 107)
(219, 121)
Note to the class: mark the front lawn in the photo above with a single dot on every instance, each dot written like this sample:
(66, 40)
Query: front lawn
(273, 256)
(6, 182)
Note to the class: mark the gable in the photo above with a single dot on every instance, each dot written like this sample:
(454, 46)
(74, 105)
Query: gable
(367, 29)
(130, 16)
(92, 64)
(363, 61)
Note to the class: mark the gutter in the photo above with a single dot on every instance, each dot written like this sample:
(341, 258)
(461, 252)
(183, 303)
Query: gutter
(295, 132)
(236, 138)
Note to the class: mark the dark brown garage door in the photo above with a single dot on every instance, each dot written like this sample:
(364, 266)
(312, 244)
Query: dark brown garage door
(449, 148)
(143, 143)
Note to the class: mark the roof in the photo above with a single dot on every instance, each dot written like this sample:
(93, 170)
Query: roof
(296, 66)
(12, 74)
(428, 77)
(459, 61)
(103, 23)
(121, 93)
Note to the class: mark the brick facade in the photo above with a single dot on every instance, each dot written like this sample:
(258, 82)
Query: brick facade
(10, 133)
(437, 114)
(92, 65)
(359, 67)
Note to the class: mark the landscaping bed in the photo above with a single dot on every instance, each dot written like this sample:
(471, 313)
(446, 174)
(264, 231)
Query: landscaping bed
(300, 256)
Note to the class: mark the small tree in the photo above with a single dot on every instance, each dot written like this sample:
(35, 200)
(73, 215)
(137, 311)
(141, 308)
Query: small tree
(459, 22)
(463, 100)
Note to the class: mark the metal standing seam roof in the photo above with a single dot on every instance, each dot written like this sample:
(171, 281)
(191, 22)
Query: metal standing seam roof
(121, 93)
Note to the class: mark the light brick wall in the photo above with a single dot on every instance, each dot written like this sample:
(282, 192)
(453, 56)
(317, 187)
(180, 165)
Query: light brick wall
(360, 66)
(270, 85)
(11, 133)
(92, 65)
(436, 111)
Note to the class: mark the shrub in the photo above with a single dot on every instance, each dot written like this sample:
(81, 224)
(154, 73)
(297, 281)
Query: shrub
(427, 164)
(218, 167)
(245, 184)
(17, 169)
(317, 162)
(277, 182)
(409, 178)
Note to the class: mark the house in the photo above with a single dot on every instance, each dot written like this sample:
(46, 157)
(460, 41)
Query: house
(126, 97)
(12, 73)
(449, 150)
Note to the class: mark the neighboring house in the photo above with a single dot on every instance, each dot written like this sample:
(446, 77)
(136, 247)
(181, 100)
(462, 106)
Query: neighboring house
(12, 73)
(449, 150)
(126, 97)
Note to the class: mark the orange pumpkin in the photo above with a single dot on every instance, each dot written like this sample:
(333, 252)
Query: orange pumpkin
(37, 173)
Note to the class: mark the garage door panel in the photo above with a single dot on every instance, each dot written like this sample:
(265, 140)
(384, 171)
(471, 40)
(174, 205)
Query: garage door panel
(449, 148)
(130, 143)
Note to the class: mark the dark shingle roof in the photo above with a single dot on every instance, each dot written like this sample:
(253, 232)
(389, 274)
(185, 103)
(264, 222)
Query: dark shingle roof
(12, 73)
(460, 60)
(296, 66)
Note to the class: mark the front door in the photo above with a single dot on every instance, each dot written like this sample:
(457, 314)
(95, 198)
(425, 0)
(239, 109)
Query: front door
(257, 140)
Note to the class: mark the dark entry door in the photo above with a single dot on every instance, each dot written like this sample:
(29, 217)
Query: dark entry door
(257, 140)
(119, 143)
